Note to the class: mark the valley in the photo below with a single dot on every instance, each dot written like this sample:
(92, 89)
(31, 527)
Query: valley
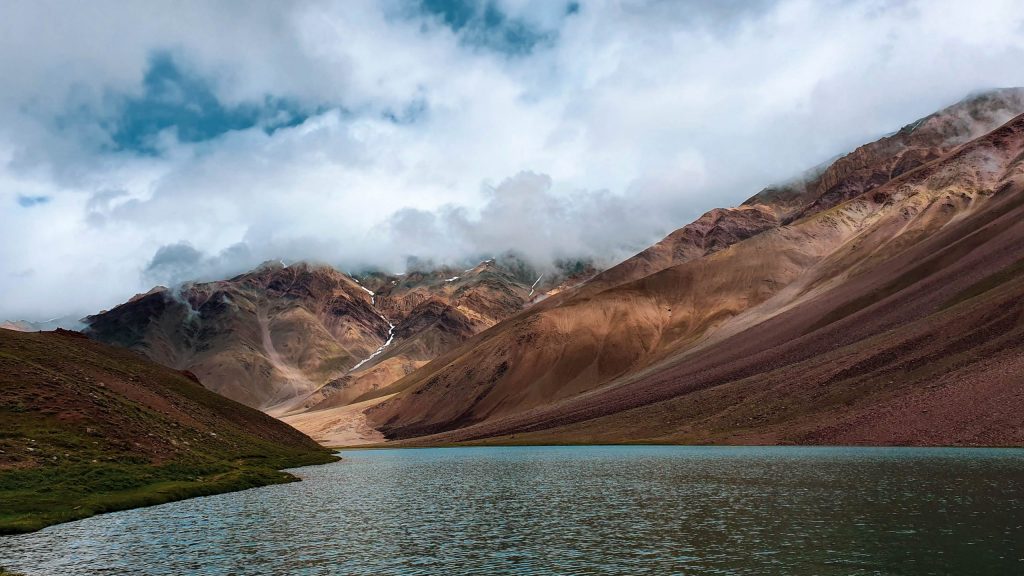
(879, 289)
(530, 288)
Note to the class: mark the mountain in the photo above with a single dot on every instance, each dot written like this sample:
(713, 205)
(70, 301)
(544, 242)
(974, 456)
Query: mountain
(877, 300)
(307, 337)
(263, 338)
(435, 311)
(849, 176)
(90, 428)
(66, 322)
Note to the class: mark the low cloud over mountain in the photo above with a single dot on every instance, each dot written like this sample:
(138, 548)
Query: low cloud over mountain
(157, 148)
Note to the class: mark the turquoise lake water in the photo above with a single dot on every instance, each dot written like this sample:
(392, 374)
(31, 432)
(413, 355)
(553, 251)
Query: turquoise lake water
(576, 510)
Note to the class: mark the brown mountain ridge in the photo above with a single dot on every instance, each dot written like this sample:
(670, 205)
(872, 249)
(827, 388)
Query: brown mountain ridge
(881, 307)
(291, 339)
(822, 310)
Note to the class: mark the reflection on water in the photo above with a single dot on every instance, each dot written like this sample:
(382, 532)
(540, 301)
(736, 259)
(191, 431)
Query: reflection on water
(572, 510)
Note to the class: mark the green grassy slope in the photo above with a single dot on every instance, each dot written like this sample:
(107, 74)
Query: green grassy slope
(86, 428)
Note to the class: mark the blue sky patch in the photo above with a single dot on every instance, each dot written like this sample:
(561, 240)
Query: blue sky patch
(484, 24)
(30, 201)
(175, 98)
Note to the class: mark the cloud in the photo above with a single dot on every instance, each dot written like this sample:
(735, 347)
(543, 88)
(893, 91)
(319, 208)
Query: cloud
(196, 139)
(523, 214)
(175, 264)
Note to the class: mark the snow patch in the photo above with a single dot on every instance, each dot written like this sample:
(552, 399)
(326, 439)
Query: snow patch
(391, 330)
(373, 297)
(482, 262)
(452, 279)
(534, 285)
(391, 336)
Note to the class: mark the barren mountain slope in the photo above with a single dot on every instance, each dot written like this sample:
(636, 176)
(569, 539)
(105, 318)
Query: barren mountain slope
(262, 338)
(288, 338)
(851, 175)
(700, 324)
(434, 312)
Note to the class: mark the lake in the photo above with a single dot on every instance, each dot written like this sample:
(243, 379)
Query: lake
(576, 510)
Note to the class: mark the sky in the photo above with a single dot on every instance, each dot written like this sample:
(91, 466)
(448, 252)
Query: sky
(146, 143)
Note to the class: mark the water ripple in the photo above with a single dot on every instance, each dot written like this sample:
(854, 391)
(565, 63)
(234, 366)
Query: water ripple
(561, 510)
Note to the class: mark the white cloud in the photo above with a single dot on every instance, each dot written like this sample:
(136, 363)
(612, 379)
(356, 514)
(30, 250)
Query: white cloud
(633, 119)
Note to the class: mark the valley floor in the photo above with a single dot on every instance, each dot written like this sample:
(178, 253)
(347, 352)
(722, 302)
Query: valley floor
(346, 426)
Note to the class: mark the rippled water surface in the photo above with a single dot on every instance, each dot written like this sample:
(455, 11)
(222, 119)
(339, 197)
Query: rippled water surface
(572, 510)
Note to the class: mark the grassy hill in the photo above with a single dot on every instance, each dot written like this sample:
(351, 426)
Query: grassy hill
(86, 428)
